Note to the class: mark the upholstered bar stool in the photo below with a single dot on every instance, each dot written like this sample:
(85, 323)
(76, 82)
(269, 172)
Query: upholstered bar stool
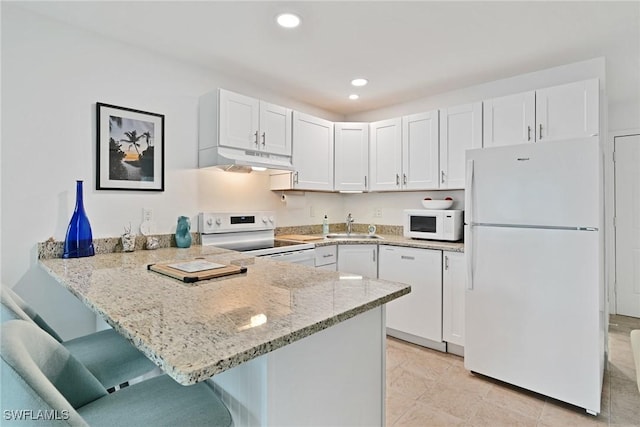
(106, 354)
(41, 376)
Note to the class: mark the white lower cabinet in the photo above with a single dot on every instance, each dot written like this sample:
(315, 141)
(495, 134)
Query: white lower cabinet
(453, 289)
(416, 317)
(358, 259)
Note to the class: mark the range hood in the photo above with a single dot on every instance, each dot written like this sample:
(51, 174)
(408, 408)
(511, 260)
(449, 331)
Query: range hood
(236, 160)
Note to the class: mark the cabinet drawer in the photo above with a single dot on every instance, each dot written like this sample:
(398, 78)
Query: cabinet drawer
(326, 255)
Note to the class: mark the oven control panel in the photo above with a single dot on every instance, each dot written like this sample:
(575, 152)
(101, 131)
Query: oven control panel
(228, 222)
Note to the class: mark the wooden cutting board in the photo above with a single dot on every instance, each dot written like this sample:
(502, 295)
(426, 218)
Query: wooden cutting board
(190, 277)
(298, 237)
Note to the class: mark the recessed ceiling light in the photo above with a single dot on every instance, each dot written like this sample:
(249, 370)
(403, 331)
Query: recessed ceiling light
(359, 82)
(288, 20)
(354, 96)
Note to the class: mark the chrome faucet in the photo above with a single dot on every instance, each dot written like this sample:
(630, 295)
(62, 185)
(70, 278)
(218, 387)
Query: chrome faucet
(349, 223)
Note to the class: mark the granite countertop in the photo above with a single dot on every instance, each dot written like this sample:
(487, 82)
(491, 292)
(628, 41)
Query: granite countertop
(392, 239)
(194, 331)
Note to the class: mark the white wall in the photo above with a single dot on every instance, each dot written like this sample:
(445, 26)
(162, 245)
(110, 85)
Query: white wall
(52, 76)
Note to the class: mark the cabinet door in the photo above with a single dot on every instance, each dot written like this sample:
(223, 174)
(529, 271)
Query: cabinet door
(420, 312)
(351, 156)
(568, 111)
(385, 151)
(312, 152)
(509, 120)
(239, 117)
(460, 130)
(453, 288)
(275, 129)
(358, 259)
(420, 151)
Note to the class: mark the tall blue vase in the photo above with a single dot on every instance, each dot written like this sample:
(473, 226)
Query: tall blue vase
(79, 239)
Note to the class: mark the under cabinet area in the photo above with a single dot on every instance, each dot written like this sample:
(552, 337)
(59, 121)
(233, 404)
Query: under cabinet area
(416, 317)
(559, 112)
(358, 259)
(453, 291)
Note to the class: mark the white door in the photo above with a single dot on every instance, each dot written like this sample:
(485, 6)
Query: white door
(239, 121)
(275, 129)
(460, 130)
(420, 312)
(533, 310)
(509, 119)
(627, 152)
(351, 156)
(358, 259)
(454, 276)
(543, 184)
(567, 111)
(420, 151)
(312, 152)
(386, 154)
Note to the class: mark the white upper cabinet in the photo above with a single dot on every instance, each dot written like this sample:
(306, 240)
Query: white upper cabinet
(420, 151)
(460, 130)
(312, 153)
(385, 153)
(249, 124)
(568, 111)
(275, 129)
(509, 119)
(351, 156)
(560, 112)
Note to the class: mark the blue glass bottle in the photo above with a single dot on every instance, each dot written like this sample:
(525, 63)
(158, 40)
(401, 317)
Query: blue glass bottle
(79, 240)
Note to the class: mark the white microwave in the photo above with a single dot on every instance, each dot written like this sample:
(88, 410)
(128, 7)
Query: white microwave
(432, 224)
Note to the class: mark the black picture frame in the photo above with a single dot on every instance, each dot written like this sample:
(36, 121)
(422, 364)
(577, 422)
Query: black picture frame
(130, 149)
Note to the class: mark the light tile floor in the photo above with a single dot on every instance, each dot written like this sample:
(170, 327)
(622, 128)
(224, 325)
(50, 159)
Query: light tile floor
(429, 388)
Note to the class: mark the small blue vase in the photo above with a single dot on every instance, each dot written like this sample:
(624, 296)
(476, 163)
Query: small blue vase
(183, 235)
(79, 239)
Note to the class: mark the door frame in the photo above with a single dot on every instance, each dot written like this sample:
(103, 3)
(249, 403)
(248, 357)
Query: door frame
(610, 212)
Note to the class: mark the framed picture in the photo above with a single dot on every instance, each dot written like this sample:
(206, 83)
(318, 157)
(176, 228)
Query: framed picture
(130, 152)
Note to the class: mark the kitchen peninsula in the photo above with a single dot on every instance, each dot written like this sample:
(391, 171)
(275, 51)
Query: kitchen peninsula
(282, 343)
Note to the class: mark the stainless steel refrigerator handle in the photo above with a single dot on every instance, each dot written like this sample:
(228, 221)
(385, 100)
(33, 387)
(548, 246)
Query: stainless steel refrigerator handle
(468, 235)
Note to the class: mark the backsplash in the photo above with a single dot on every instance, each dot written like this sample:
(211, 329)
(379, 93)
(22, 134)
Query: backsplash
(339, 227)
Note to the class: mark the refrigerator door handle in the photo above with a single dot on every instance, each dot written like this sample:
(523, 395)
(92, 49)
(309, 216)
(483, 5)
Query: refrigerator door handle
(468, 255)
(468, 203)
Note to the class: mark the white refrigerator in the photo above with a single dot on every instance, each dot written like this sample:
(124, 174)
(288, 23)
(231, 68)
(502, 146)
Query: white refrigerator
(535, 298)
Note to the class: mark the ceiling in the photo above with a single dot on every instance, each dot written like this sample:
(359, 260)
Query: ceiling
(407, 50)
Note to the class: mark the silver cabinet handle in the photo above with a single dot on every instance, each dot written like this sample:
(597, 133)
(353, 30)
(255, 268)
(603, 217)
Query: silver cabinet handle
(404, 178)
(446, 262)
(365, 182)
(410, 258)
(540, 132)
(528, 133)
(327, 256)
(295, 178)
(442, 176)
(374, 255)
(263, 138)
(255, 141)
(397, 179)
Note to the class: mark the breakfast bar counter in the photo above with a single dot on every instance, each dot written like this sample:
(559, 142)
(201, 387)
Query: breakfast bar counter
(266, 336)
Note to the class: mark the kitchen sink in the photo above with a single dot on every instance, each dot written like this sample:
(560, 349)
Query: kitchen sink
(352, 236)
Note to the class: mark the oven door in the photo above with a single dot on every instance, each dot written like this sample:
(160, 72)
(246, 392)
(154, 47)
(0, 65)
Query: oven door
(423, 224)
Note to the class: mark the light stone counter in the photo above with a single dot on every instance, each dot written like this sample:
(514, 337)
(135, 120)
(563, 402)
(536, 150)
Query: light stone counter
(391, 239)
(194, 331)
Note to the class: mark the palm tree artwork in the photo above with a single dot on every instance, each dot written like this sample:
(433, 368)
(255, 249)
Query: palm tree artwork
(128, 161)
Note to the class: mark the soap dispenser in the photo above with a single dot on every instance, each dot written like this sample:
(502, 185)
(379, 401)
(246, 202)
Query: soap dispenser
(325, 225)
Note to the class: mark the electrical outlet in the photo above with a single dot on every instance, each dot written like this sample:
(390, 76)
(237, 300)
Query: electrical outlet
(147, 214)
(377, 212)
